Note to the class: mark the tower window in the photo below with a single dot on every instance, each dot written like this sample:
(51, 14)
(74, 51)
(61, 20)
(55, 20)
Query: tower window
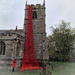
(2, 48)
(34, 15)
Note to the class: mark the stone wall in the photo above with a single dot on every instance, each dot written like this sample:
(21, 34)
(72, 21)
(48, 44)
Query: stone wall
(15, 43)
(11, 50)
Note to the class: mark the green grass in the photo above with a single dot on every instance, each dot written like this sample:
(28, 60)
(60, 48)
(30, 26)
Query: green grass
(65, 69)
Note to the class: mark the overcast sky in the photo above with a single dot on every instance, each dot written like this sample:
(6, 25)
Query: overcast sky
(12, 13)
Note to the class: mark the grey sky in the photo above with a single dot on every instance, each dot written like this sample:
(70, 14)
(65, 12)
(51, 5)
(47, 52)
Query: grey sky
(12, 13)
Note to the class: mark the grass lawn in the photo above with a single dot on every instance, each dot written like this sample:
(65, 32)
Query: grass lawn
(60, 68)
(64, 68)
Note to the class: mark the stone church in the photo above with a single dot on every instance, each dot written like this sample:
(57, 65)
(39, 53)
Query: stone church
(12, 42)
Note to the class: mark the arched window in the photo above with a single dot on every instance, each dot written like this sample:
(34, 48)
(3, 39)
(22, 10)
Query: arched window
(18, 48)
(2, 48)
(34, 15)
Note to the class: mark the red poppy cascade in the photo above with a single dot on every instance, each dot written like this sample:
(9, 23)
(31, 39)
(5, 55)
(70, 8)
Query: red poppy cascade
(30, 60)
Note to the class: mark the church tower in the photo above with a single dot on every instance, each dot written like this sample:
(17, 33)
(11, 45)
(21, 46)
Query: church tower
(39, 30)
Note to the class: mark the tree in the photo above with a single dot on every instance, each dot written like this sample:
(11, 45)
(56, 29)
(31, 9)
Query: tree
(61, 42)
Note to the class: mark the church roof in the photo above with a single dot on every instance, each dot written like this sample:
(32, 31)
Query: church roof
(4, 32)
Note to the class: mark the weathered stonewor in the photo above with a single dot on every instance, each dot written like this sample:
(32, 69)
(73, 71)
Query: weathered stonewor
(39, 31)
(12, 42)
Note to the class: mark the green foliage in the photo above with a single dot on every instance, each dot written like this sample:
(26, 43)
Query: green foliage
(61, 42)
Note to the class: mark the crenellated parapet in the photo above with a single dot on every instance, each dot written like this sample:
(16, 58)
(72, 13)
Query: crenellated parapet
(10, 36)
(37, 6)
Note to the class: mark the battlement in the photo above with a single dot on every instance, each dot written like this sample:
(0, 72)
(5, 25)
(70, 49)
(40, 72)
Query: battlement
(7, 34)
(10, 36)
(37, 6)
